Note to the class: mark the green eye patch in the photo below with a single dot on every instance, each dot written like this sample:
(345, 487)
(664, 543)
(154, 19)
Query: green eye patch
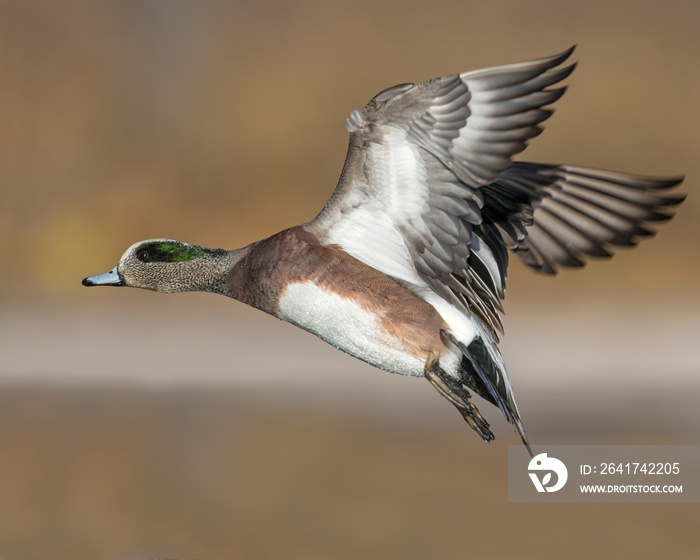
(163, 251)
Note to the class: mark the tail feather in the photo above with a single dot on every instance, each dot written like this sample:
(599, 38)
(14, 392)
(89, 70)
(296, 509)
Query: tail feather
(490, 379)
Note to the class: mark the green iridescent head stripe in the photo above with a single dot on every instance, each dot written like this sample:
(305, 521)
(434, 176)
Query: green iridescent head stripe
(168, 251)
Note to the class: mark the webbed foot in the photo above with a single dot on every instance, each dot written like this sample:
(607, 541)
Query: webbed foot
(458, 395)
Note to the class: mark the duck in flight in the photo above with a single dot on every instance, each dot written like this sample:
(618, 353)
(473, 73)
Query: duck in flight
(405, 266)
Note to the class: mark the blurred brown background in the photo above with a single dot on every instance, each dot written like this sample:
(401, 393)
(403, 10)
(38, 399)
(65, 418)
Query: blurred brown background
(134, 425)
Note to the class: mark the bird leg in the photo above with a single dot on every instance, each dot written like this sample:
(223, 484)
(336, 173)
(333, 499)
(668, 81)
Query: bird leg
(457, 394)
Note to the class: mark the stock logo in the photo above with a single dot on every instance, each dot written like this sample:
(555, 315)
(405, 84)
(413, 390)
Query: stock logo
(545, 466)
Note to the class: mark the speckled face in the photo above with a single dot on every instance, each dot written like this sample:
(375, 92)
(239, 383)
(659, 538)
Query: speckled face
(165, 265)
(160, 265)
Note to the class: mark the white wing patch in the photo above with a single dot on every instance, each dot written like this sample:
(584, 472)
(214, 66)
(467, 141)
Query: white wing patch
(369, 229)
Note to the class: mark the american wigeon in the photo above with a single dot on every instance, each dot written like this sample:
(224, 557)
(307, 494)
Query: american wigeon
(405, 266)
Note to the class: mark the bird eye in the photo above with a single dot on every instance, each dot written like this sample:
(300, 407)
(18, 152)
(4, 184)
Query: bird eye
(142, 255)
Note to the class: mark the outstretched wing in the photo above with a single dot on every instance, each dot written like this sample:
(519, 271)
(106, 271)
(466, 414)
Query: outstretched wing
(409, 201)
(554, 216)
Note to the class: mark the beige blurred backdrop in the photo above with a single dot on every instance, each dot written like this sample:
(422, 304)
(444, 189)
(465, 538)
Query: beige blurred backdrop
(136, 425)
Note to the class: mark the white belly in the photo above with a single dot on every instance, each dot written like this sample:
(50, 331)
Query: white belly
(347, 326)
